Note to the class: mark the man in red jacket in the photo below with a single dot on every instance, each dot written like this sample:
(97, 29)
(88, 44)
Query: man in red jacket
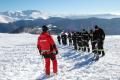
(48, 50)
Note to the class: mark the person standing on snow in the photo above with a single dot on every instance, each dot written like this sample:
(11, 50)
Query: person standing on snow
(64, 38)
(59, 39)
(92, 40)
(74, 38)
(98, 41)
(100, 36)
(48, 50)
(85, 38)
(79, 41)
(70, 38)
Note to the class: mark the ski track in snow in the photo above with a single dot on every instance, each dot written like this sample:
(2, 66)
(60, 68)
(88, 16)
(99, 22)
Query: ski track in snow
(20, 60)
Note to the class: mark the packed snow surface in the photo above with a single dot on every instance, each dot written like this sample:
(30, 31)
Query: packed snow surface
(20, 60)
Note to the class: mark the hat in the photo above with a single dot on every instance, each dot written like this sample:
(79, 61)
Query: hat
(96, 27)
(83, 29)
(44, 28)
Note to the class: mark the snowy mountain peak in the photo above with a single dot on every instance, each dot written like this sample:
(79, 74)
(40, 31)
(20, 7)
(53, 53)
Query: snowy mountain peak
(36, 14)
(25, 15)
(5, 19)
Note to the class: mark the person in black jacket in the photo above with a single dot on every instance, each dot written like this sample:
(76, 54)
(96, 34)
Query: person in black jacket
(59, 39)
(70, 38)
(74, 38)
(85, 40)
(64, 38)
(79, 41)
(99, 36)
(92, 40)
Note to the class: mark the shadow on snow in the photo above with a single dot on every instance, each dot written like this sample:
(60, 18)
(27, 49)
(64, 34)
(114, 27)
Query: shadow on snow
(82, 59)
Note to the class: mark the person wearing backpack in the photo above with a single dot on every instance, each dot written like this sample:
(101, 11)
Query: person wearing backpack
(48, 50)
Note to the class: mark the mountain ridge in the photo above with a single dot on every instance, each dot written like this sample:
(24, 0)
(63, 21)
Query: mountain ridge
(111, 26)
(37, 14)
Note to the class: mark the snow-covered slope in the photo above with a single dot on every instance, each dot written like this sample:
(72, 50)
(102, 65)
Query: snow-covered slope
(5, 19)
(20, 60)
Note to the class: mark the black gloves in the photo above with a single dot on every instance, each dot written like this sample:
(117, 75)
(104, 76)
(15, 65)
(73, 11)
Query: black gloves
(37, 46)
(56, 52)
(103, 38)
(40, 52)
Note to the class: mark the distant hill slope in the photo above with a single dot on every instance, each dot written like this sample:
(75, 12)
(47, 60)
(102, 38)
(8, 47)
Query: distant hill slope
(111, 26)
(11, 21)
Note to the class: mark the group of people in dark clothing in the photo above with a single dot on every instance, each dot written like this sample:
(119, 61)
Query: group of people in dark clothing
(81, 40)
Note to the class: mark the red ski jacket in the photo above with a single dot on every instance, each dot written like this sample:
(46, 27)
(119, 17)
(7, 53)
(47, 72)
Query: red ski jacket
(46, 44)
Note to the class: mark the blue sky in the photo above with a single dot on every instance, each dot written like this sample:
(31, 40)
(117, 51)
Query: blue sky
(63, 6)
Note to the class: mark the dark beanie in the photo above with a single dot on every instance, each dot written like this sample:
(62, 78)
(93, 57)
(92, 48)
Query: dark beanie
(44, 28)
(96, 27)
